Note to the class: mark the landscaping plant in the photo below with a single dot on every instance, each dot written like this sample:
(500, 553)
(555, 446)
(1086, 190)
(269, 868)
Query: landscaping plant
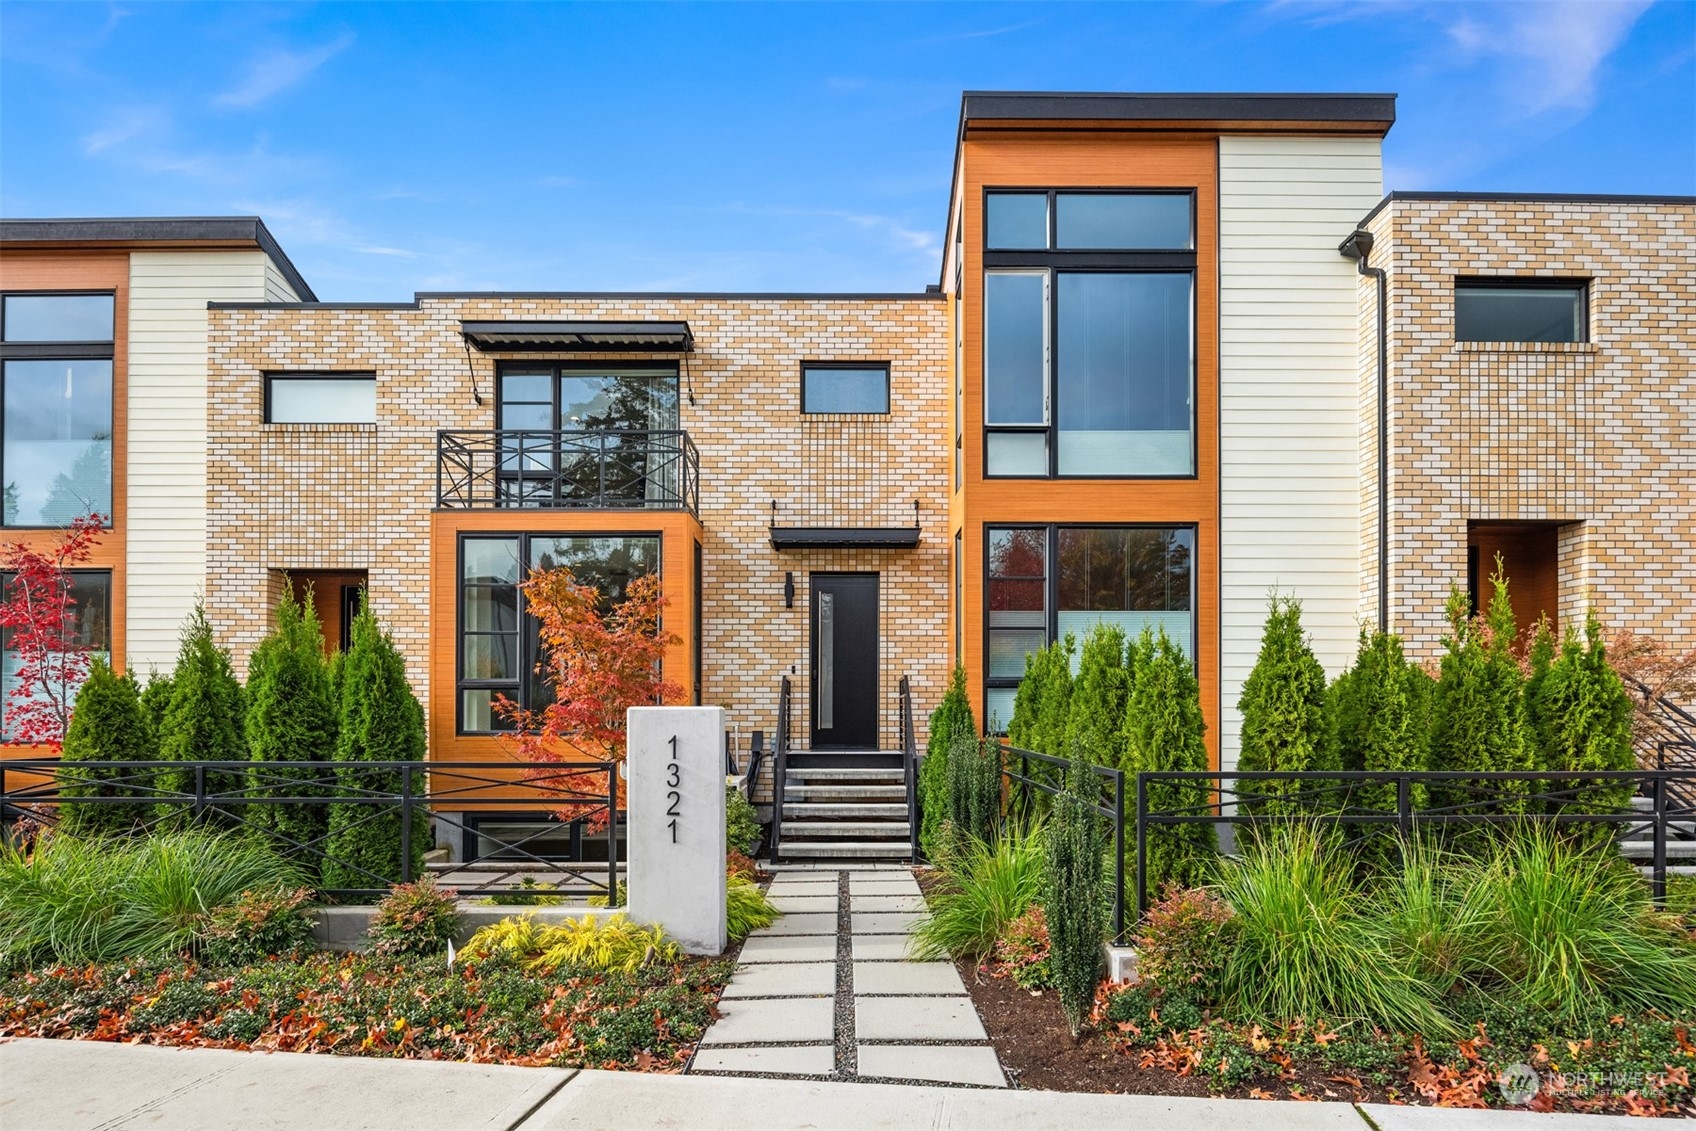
(952, 717)
(1044, 697)
(291, 717)
(592, 942)
(260, 924)
(1164, 730)
(1022, 952)
(48, 653)
(415, 918)
(1283, 709)
(982, 889)
(104, 899)
(108, 725)
(747, 908)
(974, 793)
(1581, 721)
(1095, 718)
(1431, 910)
(203, 721)
(1072, 900)
(741, 822)
(1184, 942)
(379, 720)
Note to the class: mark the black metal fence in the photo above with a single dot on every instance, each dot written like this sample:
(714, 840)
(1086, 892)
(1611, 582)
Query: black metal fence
(1046, 775)
(579, 798)
(596, 468)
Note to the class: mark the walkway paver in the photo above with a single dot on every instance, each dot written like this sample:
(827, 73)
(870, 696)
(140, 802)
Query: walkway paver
(844, 976)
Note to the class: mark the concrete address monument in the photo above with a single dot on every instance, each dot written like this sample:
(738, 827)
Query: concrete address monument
(675, 763)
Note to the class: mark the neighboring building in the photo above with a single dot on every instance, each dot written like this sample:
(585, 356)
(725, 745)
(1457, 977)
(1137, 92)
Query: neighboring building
(1147, 391)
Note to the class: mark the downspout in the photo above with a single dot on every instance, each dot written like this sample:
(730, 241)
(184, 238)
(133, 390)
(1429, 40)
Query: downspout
(1359, 248)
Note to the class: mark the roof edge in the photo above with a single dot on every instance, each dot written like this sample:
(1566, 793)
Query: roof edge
(1528, 198)
(1130, 107)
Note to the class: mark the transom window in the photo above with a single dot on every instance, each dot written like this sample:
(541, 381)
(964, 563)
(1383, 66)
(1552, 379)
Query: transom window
(321, 398)
(1133, 576)
(1063, 220)
(499, 645)
(845, 387)
(56, 403)
(1520, 310)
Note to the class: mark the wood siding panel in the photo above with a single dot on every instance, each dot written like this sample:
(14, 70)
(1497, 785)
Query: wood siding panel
(1288, 391)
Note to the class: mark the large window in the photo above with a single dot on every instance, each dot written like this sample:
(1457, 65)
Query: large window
(1135, 577)
(845, 388)
(321, 398)
(498, 645)
(1519, 310)
(90, 627)
(1089, 334)
(605, 434)
(56, 401)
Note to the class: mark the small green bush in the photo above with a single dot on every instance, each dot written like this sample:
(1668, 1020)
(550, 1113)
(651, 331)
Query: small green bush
(203, 720)
(257, 926)
(415, 918)
(1582, 716)
(1023, 951)
(108, 725)
(1165, 731)
(592, 942)
(1095, 718)
(741, 822)
(974, 793)
(529, 893)
(952, 717)
(747, 908)
(982, 889)
(1478, 706)
(1043, 700)
(1185, 941)
(1072, 900)
(291, 717)
(1431, 912)
(1283, 709)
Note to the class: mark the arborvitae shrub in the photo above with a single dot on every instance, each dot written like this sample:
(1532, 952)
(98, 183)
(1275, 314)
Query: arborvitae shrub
(1478, 707)
(1165, 731)
(107, 725)
(1023, 730)
(1073, 902)
(1096, 719)
(155, 701)
(1379, 722)
(974, 791)
(953, 716)
(1584, 720)
(380, 721)
(203, 719)
(1053, 707)
(1283, 709)
(291, 718)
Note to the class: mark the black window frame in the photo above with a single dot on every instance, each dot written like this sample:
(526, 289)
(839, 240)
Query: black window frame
(859, 366)
(1051, 591)
(525, 658)
(561, 368)
(6, 576)
(272, 375)
(70, 350)
(1053, 262)
(1580, 284)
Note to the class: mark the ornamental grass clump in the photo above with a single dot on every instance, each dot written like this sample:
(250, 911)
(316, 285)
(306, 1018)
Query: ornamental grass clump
(415, 918)
(983, 888)
(1305, 945)
(746, 907)
(1072, 898)
(1431, 911)
(592, 942)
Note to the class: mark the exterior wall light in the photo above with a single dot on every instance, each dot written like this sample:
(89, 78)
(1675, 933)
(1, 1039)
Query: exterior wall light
(789, 589)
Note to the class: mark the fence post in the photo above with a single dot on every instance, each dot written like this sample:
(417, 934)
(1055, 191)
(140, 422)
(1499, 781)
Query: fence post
(612, 834)
(1119, 856)
(199, 789)
(1142, 846)
(406, 824)
(1658, 868)
(1404, 807)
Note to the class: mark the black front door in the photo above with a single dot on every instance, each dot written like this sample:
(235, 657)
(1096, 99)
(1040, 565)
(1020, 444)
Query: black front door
(844, 632)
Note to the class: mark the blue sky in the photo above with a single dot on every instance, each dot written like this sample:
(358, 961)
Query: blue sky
(398, 147)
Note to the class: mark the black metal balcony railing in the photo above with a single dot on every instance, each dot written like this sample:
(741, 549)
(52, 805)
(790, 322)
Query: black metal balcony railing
(610, 469)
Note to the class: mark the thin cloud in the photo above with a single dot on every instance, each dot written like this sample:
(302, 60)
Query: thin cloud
(273, 73)
(392, 252)
(1555, 50)
(125, 126)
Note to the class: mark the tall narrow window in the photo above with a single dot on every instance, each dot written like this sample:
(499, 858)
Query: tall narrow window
(1017, 623)
(56, 443)
(1016, 372)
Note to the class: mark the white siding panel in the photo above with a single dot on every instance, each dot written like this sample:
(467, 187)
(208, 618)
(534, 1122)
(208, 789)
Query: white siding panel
(166, 525)
(1288, 417)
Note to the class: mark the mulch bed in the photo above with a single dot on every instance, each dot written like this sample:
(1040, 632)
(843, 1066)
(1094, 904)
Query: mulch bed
(1031, 1037)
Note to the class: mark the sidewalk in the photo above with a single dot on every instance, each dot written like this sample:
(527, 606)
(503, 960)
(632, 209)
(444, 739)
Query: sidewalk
(93, 1086)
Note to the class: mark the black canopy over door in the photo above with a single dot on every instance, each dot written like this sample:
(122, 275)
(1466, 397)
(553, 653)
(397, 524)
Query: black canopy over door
(844, 661)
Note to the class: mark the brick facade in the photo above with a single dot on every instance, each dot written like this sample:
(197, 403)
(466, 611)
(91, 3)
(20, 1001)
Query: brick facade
(1598, 438)
(360, 497)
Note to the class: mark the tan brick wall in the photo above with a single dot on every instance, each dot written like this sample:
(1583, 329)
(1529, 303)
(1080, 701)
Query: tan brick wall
(1599, 437)
(360, 497)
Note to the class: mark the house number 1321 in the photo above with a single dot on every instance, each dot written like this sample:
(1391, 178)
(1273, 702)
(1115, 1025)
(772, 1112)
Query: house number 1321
(673, 777)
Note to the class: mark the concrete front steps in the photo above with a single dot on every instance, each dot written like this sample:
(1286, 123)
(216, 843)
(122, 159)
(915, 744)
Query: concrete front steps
(841, 808)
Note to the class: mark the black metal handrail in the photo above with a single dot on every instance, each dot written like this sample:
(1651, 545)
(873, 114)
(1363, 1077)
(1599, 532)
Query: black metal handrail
(1111, 805)
(224, 794)
(779, 767)
(607, 469)
(910, 764)
(1469, 798)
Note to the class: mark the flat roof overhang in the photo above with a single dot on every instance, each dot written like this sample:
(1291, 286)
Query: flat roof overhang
(1370, 112)
(583, 337)
(844, 537)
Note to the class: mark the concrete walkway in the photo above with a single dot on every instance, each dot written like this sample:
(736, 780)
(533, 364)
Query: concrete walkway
(827, 991)
(95, 1086)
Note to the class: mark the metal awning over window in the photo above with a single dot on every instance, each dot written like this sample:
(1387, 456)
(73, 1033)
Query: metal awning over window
(587, 337)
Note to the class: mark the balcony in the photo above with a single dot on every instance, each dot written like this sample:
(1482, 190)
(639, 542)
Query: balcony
(610, 469)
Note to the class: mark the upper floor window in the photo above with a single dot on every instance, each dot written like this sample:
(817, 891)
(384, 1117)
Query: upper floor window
(56, 404)
(321, 398)
(1520, 310)
(845, 388)
(1124, 220)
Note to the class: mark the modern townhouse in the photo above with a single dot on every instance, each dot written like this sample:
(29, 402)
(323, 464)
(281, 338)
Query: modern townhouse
(1179, 346)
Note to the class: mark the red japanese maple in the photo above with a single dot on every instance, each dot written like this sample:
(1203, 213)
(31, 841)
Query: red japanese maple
(598, 661)
(43, 629)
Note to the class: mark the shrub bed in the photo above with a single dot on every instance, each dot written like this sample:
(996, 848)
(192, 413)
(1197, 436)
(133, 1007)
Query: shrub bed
(490, 1011)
